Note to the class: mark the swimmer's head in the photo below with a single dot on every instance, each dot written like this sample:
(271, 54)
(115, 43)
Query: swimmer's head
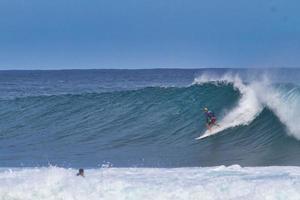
(80, 172)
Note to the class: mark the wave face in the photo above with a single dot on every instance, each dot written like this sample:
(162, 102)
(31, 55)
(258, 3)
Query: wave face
(147, 119)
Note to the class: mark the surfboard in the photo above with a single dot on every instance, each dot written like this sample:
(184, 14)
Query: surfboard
(214, 130)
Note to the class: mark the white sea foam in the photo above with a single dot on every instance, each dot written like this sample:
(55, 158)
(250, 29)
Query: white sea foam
(256, 95)
(211, 183)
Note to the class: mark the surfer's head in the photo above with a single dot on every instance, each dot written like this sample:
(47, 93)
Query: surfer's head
(205, 109)
(80, 172)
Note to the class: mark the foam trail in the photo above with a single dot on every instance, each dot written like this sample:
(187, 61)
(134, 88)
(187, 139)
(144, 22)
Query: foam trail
(247, 108)
(233, 182)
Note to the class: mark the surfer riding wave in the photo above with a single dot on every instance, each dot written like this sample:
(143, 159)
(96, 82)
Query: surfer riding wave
(211, 119)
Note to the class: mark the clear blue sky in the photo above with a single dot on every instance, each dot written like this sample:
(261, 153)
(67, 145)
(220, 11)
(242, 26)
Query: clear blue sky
(56, 34)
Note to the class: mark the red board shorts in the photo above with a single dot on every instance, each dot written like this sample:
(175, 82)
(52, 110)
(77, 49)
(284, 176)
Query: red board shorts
(212, 121)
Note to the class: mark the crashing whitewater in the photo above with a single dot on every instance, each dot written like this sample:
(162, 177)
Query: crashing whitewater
(255, 96)
(233, 182)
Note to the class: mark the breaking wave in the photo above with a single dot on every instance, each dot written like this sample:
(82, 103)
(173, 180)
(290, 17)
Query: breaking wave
(155, 126)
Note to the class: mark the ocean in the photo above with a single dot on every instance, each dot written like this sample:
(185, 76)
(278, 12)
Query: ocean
(134, 132)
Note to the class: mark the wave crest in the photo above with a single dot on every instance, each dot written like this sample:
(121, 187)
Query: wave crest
(282, 100)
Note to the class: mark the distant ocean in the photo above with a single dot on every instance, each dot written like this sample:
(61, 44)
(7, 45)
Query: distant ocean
(133, 131)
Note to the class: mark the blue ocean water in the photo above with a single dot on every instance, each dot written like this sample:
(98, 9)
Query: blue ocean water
(149, 118)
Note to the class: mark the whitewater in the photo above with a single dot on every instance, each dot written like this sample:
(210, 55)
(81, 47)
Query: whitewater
(233, 182)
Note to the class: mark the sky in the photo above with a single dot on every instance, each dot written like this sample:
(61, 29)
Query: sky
(65, 34)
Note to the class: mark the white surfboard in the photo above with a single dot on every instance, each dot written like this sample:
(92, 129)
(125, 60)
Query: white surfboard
(214, 130)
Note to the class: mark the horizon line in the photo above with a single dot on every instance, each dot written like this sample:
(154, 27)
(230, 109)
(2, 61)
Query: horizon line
(154, 68)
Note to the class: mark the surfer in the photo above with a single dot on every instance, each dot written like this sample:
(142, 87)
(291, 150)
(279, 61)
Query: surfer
(210, 119)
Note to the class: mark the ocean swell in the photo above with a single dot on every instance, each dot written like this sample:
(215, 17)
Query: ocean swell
(154, 126)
